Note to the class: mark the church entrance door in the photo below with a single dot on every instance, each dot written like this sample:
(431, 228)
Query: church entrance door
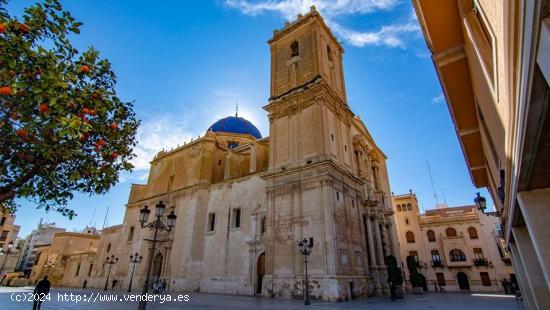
(260, 272)
(157, 268)
(462, 280)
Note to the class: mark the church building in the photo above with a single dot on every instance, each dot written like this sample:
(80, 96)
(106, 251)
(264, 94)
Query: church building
(244, 202)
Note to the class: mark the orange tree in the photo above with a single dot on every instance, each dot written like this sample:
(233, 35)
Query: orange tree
(63, 128)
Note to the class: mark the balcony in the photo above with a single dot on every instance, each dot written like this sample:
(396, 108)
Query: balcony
(481, 261)
(437, 264)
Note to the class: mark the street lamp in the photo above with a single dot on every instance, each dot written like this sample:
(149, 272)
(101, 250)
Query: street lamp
(8, 252)
(110, 261)
(155, 225)
(481, 202)
(134, 259)
(305, 247)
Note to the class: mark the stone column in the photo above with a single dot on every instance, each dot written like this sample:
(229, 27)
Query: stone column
(534, 208)
(371, 242)
(392, 234)
(526, 291)
(532, 266)
(379, 243)
(387, 242)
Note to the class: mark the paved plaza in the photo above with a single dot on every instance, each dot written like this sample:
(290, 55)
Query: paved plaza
(447, 301)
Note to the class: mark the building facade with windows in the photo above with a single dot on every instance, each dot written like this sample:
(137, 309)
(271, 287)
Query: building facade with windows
(41, 236)
(492, 60)
(67, 261)
(456, 248)
(244, 202)
(8, 238)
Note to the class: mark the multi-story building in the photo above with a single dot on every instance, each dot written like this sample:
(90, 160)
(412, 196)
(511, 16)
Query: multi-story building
(9, 251)
(68, 260)
(493, 63)
(456, 248)
(244, 202)
(42, 235)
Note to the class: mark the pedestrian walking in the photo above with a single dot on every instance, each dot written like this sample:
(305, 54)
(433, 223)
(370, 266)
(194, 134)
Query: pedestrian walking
(164, 286)
(41, 290)
(85, 283)
(114, 282)
(392, 291)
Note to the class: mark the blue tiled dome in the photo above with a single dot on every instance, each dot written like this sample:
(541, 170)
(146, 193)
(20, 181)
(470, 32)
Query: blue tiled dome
(235, 124)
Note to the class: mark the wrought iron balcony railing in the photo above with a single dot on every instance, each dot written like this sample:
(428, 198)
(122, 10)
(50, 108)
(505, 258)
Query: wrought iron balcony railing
(437, 263)
(481, 262)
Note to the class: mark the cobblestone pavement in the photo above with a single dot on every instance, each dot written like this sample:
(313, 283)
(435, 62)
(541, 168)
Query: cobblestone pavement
(91, 299)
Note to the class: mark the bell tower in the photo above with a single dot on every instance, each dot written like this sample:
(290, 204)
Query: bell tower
(314, 187)
(308, 112)
(303, 51)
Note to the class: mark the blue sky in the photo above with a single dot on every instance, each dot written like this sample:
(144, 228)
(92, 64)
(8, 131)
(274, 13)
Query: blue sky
(187, 63)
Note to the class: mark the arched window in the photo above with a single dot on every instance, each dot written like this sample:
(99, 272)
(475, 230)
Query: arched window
(450, 232)
(108, 248)
(329, 53)
(398, 208)
(457, 255)
(431, 235)
(409, 207)
(294, 49)
(473, 233)
(410, 237)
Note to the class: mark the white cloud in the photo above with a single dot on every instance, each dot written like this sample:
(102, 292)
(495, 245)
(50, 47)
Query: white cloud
(168, 131)
(388, 35)
(158, 133)
(439, 98)
(290, 8)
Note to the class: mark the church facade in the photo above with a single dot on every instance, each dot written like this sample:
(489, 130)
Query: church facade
(243, 202)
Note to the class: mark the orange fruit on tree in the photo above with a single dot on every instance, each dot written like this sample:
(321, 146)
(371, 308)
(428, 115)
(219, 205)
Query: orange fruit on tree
(84, 69)
(24, 28)
(2, 28)
(114, 126)
(5, 90)
(114, 155)
(22, 133)
(43, 108)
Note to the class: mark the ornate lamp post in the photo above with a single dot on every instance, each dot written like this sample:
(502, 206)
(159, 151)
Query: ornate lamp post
(110, 261)
(481, 202)
(305, 247)
(7, 253)
(155, 225)
(134, 259)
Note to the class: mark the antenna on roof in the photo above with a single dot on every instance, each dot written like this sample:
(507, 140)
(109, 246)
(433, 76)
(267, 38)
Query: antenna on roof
(433, 187)
(105, 220)
(93, 215)
(237, 109)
